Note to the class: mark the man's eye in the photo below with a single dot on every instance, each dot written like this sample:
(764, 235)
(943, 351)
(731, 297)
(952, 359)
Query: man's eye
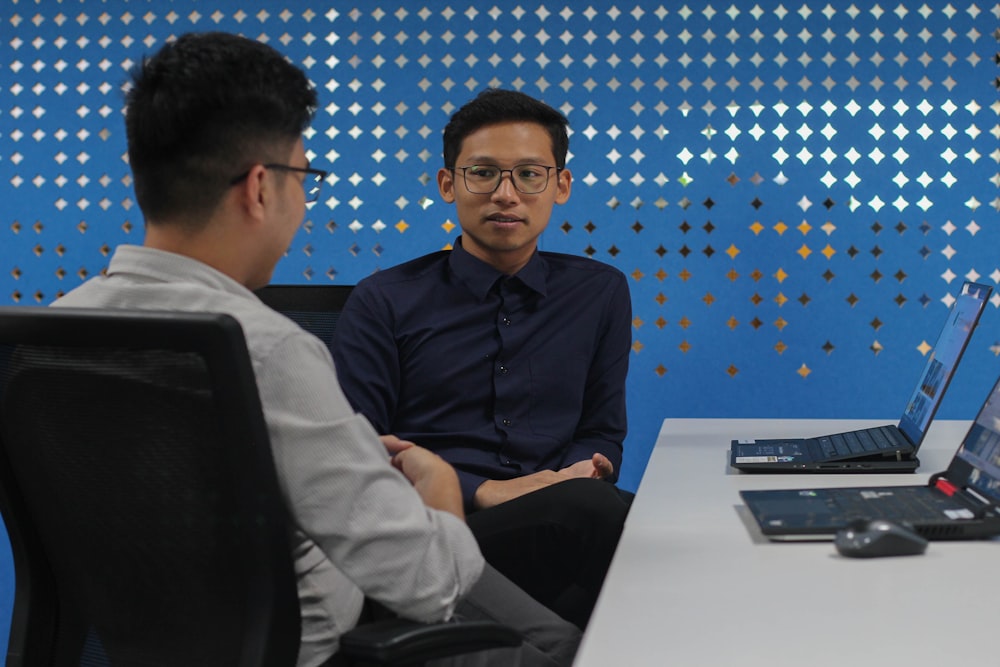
(483, 172)
(529, 172)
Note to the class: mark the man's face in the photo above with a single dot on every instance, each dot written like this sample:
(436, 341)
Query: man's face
(288, 206)
(502, 227)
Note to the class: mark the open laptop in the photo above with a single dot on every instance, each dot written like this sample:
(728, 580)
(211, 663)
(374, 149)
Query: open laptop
(959, 503)
(889, 448)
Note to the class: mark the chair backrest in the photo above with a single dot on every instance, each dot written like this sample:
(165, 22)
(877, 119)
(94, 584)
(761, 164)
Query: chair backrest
(139, 492)
(315, 308)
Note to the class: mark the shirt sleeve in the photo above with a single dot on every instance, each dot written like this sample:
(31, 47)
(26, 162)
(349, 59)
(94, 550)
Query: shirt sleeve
(364, 515)
(470, 483)
(366, 357)
(603, 420)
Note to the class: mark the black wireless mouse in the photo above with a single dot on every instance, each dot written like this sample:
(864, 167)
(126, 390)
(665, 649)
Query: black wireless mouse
(878, 537)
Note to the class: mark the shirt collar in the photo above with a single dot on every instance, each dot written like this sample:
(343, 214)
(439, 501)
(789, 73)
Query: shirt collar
(162, 266)
(480, 277)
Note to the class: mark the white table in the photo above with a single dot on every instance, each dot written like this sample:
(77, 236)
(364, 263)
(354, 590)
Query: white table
(694, 583)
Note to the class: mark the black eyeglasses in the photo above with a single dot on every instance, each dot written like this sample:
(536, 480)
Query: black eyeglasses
(311, 184)
(484, 179)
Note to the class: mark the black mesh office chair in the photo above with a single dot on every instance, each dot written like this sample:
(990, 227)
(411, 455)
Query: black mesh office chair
(315, 308)
(139, 494)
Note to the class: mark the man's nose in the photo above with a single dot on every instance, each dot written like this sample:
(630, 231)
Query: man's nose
(505, 188)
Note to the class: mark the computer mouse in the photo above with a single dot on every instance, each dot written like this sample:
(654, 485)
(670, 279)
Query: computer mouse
(878, 537)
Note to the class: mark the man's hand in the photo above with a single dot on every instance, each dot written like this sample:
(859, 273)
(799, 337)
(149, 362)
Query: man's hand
(394, 445)
(598, 467)
(435, 481)
(492, 492)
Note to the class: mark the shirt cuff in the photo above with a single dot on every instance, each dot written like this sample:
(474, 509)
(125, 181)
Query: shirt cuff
(469, 483)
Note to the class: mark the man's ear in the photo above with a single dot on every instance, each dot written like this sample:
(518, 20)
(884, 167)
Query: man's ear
(564, 185)
(446, 184)
(253, 192)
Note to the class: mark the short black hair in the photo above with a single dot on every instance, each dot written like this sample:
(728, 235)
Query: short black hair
(201, 110)
(496, 105)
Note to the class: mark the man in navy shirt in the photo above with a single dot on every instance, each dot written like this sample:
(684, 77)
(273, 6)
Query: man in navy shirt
(508, 362)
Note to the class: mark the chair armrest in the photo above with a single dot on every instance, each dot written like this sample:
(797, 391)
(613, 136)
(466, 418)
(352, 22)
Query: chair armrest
(397, 641)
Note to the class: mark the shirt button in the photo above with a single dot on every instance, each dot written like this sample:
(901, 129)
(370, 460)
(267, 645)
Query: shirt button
(503, 370)
(506, 422)
(506, 321)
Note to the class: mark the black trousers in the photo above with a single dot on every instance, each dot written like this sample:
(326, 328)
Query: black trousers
(556, 543)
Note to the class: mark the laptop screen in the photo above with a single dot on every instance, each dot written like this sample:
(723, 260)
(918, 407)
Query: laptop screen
(943, 360)
(981, 449)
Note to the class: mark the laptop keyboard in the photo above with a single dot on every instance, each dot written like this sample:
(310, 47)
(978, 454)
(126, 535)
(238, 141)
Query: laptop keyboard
(883, 439)
(910, 504)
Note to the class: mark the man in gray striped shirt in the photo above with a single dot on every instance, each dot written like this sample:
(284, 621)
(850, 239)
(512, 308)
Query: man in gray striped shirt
(214, 124)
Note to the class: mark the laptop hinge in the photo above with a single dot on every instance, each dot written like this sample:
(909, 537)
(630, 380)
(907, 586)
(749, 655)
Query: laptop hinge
(975, 494)
(970, 496)
(933, 481)
(942, 484)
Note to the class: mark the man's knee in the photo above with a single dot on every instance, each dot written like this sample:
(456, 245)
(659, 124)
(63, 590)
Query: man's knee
(587, 511)
(591, 502)
(595, 496)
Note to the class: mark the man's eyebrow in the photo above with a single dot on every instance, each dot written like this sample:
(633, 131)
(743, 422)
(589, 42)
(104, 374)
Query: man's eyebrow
(486, 159)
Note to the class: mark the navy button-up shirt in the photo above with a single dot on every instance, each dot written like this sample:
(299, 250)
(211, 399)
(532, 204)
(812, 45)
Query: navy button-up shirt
(500, 375)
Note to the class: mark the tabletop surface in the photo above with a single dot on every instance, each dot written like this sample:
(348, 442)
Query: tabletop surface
(694, 582)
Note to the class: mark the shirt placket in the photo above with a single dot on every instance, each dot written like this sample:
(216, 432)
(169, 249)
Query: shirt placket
(509, 380)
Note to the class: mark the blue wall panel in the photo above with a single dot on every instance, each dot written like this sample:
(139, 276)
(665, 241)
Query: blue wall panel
(796, 190)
